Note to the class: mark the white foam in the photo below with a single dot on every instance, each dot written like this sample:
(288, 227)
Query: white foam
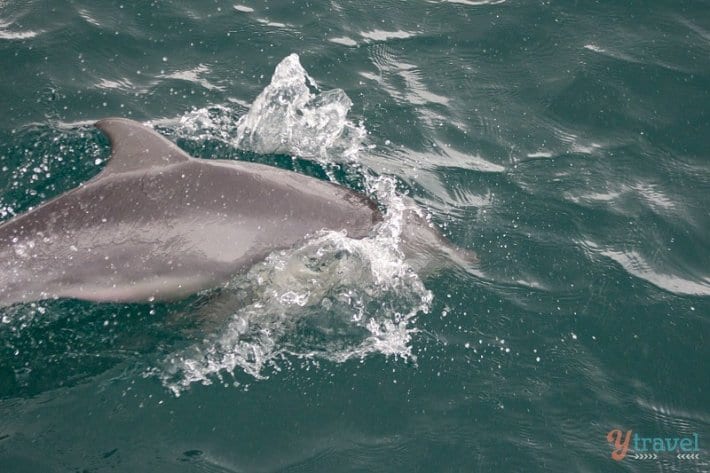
(344, 40)
(595, 48)
(274, 24)
(335, 298)
(381, 35)
(4, 34)
(540, 154)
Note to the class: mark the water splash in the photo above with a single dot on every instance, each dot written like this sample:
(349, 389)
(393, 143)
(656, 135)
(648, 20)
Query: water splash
(334, 298)
(290, 116)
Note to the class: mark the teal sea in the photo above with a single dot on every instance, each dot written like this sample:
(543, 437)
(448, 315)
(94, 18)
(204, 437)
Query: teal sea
(567, 143)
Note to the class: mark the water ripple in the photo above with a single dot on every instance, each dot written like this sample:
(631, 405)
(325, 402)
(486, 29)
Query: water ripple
(637, 265)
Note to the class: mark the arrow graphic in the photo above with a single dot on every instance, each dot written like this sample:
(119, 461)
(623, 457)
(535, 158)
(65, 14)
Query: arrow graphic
(645, 456)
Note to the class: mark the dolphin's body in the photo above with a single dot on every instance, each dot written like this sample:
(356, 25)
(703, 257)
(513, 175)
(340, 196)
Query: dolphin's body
(158, 224)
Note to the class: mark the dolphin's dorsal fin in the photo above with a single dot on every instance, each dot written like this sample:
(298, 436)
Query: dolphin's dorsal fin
(135, 146)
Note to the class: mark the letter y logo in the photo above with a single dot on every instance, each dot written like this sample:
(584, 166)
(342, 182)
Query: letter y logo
(620, 446)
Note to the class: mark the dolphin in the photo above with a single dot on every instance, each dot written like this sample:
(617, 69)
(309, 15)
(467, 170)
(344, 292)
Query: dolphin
(157, 224)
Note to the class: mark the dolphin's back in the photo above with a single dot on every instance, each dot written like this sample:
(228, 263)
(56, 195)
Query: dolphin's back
(165, 225)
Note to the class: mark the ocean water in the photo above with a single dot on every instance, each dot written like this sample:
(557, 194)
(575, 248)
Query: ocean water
(566, 143)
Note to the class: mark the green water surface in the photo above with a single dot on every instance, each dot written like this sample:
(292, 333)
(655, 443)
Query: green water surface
(565, 142)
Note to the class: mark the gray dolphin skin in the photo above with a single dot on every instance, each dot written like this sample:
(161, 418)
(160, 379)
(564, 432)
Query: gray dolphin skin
(157, 224)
